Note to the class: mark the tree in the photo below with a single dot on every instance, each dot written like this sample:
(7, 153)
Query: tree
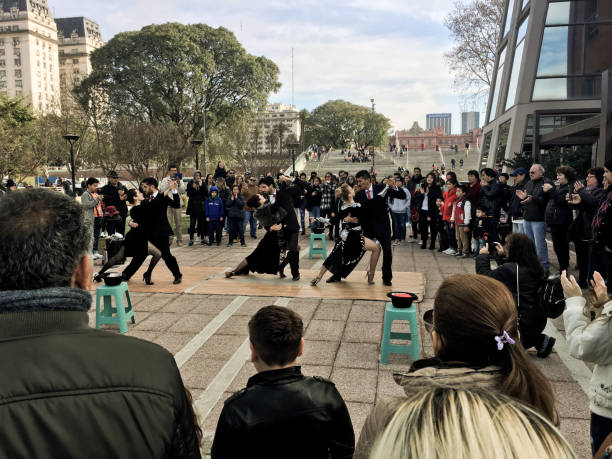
(339, 123)
(17, 138)
(474, 26)
(169, 74)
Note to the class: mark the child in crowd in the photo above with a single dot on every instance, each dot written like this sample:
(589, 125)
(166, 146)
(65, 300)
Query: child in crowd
(481, 230)
(440, 225)
(460, 220)
(591, 341)
(214, 215)
(233, 207)
(449, 198)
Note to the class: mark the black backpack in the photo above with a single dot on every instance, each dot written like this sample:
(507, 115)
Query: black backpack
(551, 297)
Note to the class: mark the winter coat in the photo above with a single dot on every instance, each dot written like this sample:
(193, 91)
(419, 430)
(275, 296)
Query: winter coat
(492, 197)
(434, 193)
(462, 212)
(313, 201)
(514, 202)
(214, 208)
(400, 206)
(248, 192)
(557, 208)
(233, 207)
(197, 196)
(89, 204)
(267, 218)
(424, 374)
(449, 199)
(592, 343)
(220, 173)
(535, 210)
(582, 227)
(482, 228)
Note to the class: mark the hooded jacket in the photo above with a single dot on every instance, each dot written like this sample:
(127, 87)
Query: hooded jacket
(214, 205)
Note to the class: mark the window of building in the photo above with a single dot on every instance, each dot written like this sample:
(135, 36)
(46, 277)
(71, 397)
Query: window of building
(1, 41)
(516, 64)
(2, 63)
(508, 17)
(17, 73)
(498, 79)
(1, 51)
(15, 41)
(2, 73)
(2, 84)
(18, 83)
(18, 62)
(502, 142)
(17, 52)
(486, 143)
(75, 61)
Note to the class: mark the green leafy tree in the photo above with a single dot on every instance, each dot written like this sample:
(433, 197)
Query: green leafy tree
(578, 157)
(339, 123)
(171, 73)
(17, 138)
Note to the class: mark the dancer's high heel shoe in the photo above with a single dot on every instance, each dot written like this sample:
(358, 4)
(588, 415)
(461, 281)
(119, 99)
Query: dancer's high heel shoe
(146, 277)
(315, 281)
(230, 274)
(370, 276)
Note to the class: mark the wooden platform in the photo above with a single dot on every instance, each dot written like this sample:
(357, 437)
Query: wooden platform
(212, 281)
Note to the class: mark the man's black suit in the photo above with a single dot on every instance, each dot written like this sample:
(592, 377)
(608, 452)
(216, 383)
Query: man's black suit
(158, 231)
(291, 227)
(375, 221)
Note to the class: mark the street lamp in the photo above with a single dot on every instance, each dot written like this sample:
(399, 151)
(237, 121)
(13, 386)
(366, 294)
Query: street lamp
(293, 146)
(196, 143)
(71, 138)
(373, 148)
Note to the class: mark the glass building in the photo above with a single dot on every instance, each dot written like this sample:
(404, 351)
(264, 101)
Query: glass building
(552, 83)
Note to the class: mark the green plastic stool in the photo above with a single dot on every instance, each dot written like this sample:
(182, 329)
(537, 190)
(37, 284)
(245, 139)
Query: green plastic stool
(315, 250)
(386, 348)
(122, 312)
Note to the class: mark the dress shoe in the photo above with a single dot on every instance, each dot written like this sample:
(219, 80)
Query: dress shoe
(178, 279)
(387, 283)
(146, 277)
(296, 278)
(334, 278)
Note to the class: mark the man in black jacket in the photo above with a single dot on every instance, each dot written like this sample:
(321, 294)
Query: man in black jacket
(492, 197)
(282, 413)
(68, 390)
(157, 226)
(289, 224)
(114, 195)
(375, 224)
(515, 209)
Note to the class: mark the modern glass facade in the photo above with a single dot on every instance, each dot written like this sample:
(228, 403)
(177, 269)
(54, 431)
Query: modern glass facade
(548, 76)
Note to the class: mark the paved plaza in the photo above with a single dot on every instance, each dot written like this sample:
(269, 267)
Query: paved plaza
(208, 335)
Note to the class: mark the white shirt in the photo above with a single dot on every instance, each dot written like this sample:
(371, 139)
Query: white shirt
(272, 198)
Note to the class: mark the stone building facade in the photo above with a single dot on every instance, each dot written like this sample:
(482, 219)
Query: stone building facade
(417, 138)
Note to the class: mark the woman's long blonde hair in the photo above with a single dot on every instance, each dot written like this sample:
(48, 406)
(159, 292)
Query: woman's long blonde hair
(460, 423)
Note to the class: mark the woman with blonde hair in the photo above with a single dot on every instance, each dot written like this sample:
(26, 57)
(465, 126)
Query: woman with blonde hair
(476, 345)
(446, 422)
(351, 243)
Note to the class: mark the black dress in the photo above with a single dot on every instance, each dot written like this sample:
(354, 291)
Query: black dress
(265, 259)
(350, 247)
(135, 241)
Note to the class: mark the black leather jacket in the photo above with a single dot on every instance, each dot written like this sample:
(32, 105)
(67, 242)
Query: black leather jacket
(282, 414)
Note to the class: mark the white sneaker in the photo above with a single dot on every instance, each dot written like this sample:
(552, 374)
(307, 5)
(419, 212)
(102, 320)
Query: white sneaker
(96, 256)
(451, 252)
(447, 251)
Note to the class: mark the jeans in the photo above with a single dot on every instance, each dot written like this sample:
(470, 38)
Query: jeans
(399, 225)
(450, 234)
(600, 428)
(314, 213)
(303, 216)
(249, 219)
(536, 231)
(96, 232)
(479, 244)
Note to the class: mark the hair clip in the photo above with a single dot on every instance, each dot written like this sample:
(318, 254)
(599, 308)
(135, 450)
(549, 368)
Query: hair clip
(504, 338)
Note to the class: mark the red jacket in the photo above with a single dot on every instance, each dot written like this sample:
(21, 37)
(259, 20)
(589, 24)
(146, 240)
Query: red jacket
(473, 195)
(449, 199)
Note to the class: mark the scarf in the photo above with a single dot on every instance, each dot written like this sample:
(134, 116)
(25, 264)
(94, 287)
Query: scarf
(602, 211)
(45, 299)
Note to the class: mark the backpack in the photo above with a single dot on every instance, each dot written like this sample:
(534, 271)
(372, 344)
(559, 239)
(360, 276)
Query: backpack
(552, 298)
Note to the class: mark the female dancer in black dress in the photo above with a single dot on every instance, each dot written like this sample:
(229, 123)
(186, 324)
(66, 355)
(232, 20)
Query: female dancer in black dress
(352, 243)
(135, 243)
(266, 258)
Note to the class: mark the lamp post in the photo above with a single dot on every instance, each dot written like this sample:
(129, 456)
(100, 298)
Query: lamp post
(196, 143)
(71, 138)
(373, 148)
(293, 146)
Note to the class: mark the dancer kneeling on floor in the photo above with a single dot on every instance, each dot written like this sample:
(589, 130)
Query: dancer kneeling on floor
(352, 244)
(269, 257)
(135, 243)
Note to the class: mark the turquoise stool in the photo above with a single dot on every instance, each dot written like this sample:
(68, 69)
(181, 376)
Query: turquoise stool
(122, 312)
(314, 250)
(386, 348)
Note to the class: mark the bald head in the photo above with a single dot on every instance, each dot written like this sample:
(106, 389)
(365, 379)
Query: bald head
(536, 172)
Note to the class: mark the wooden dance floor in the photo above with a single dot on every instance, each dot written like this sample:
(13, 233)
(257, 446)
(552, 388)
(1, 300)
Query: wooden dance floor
(212, 281)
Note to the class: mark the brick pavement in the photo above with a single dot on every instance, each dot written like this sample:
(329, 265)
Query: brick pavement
(342, 338)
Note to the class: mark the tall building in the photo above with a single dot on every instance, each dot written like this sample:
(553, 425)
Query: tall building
(469, 121)
(269, 118)
(77, 38)
(28, 54)
(552, 83)
(439, 119)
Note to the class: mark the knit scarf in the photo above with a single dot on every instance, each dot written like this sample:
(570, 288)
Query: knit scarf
(45, 299)
(602, 211)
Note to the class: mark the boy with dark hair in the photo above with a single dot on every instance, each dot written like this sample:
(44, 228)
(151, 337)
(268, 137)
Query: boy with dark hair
(214, 215)
(460, 220)
(481, 230)
(282, 413)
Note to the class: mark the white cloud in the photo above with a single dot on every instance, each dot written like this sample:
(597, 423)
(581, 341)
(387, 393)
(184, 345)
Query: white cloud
(354, 49)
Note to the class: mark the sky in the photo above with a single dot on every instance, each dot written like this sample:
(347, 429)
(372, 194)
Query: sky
(356, 50)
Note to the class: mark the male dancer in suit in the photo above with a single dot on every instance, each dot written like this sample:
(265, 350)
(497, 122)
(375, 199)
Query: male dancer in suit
(157, 227)
(284, 199)
(373, 200)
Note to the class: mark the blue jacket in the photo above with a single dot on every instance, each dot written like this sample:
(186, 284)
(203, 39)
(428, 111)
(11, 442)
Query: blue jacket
(214, 208)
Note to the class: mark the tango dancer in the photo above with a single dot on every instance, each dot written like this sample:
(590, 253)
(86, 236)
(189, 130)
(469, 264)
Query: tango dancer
(266, 258)
(375, 215)
(135, 244)
(351, 244)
